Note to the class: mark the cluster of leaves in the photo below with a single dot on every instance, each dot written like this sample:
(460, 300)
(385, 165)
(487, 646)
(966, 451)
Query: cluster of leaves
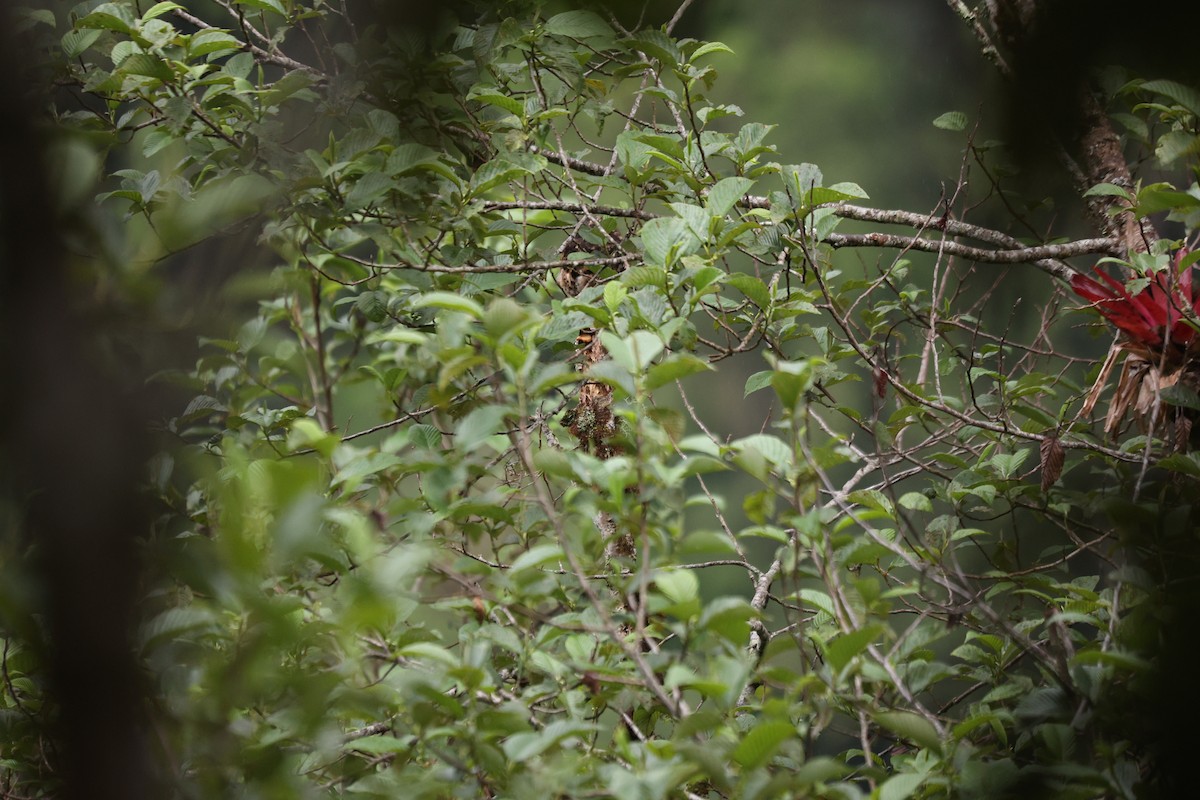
(385, 563)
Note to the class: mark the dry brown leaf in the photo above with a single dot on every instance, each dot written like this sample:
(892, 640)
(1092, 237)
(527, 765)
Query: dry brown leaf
(1183, 433)
(1052, 461)
(1105, 371)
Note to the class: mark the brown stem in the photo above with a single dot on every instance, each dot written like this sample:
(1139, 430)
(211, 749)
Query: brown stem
(324, 403)
(1102, 160)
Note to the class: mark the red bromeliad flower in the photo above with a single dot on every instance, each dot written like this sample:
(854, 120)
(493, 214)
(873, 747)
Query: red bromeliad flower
(1149, 315)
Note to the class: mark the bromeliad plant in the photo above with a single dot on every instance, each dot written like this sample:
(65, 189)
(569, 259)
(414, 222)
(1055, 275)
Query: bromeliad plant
(1159, 319)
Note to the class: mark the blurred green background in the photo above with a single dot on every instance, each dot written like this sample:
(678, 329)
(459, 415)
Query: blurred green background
(854, 86)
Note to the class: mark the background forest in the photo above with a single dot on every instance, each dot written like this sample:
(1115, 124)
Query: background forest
(544, 399)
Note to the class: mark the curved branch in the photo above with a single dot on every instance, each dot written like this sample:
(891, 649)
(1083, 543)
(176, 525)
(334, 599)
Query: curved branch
(921, 221)
(1038, 256)
(260, 55)
(577, 164)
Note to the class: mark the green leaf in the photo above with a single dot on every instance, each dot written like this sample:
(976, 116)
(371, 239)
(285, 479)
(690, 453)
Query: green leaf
(398, 335)
(951, 121)
(1007, 464)
(1180, 396)
(700, 444)
(264, 5)
(380, 745)
(1173, 145)
(842, 649)
(677, 585)
(409, 156)
(821, 769)
(578, 25)
(634, 352)
(504, 170)
(1118, 658)
(158, 9)
(850, 190)
(155, 141)
(613, 374)
(306, 434)
(674, 368)
(656, 44)
(430, 652)
(450, 302)
(538, 555)
(1042, 704)
(504, 315)
(1109, 189)
(615, 293)
(633, 152)
(729, 617)
(564, 326)
(372, 305)
(239, 65)
(201, 406)
(367, 189)
(109, 16)
(826, 195)
(211, 41)
(759, 380)
(638, 277)
(772, 448)
(524, 746)
(801, 179)
(147, 65)
(1178, 93)
(698, 219)
(1187, 463)
(173, 623)
(725, 194)
(901, 787)
(665, 239)
(491, 96)
(752, 287)
(700, 465)
(1152, 200)
(38, 15)
(351, 475)
(816, 599)
(911, 726)
(915, 501)
(75, 43)
(475, 428)
(709, 47)
(761, 742)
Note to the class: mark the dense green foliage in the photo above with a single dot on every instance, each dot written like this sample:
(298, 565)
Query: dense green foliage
(439, 516)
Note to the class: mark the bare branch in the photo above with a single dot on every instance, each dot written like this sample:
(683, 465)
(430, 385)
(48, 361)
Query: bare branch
(679, 12)
(971, 18)
(1028, 255)
(577, 164)
(574, 208)
(260, 55)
